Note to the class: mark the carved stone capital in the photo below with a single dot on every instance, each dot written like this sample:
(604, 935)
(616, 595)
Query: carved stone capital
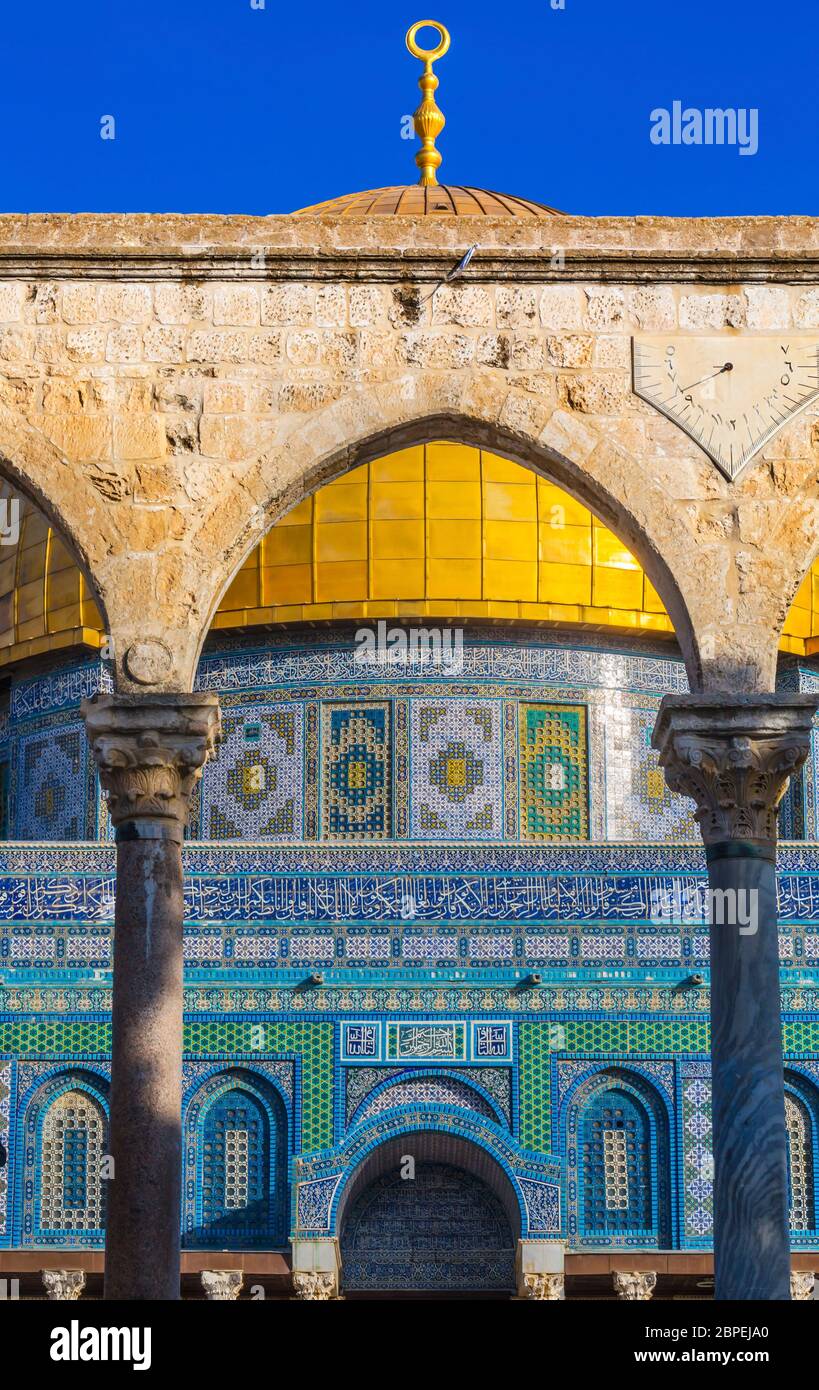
(634, 1285)
(541, 1287)
(150, 750)
(802, 1284)
(221, 1285)
(314, 1285)
(734, 755)
(63, 1284)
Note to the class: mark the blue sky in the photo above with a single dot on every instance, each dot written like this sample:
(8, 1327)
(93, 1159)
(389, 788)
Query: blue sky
(223, 107)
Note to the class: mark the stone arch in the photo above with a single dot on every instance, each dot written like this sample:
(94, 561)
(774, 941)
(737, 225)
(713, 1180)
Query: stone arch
(467, 1209)
(792, 549)
(39, 471)
(591, 466)
(647, 1157)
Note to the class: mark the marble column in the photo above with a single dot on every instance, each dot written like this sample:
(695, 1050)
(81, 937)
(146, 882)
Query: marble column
(150, 750)
(734, 755)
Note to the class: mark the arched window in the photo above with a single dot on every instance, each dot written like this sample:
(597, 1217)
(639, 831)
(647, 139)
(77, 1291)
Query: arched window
(237, 1139)
(616, 1178)
(801, 1201)
(235, 1158)
(70, 1191)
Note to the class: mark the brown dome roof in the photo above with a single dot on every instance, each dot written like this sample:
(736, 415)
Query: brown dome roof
(441, 199)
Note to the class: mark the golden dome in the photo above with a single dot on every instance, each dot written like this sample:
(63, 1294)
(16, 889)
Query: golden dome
(428, 197)
(439, 530)
(438, 200)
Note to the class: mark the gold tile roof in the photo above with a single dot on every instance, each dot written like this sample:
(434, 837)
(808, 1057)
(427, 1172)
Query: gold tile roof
(442, 530)
(439, 530)
(45, 601)
(440, 200)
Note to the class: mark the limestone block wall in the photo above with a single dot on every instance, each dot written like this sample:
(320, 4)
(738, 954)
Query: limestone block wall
(169, 386)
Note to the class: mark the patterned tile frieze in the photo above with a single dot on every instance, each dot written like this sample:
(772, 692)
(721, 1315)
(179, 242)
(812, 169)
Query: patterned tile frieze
(95, 860)
(631, 949)
(5, 1114)
(492, 657)
(291, 1000)
(62, 689)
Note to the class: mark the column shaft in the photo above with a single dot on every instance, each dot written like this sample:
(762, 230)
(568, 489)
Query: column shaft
(751, 1243)
(150, 751)
(734, 755)
(144, 1200)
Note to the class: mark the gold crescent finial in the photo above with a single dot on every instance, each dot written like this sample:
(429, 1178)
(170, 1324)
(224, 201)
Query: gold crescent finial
(429, 120)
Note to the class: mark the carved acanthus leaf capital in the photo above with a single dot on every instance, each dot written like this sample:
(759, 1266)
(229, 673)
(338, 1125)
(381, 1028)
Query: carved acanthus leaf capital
(734, 756)
(547, 1288)
(150, 750)
(315, 1286)
(63, 1284)
(802, 1285)
(221, 1285)
(634, 1284)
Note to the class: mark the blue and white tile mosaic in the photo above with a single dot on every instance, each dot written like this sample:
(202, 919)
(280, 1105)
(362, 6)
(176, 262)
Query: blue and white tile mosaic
(254, 788)
(456, 770)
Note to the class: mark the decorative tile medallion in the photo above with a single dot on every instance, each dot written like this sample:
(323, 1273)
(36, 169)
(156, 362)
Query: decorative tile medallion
(356, 786)
(553, 772)
(639, 805)
(457, 762)
(254, 788)
(54, 785)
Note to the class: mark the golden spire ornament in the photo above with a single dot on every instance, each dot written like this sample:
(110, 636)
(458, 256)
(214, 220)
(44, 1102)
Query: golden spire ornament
(429, 119)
